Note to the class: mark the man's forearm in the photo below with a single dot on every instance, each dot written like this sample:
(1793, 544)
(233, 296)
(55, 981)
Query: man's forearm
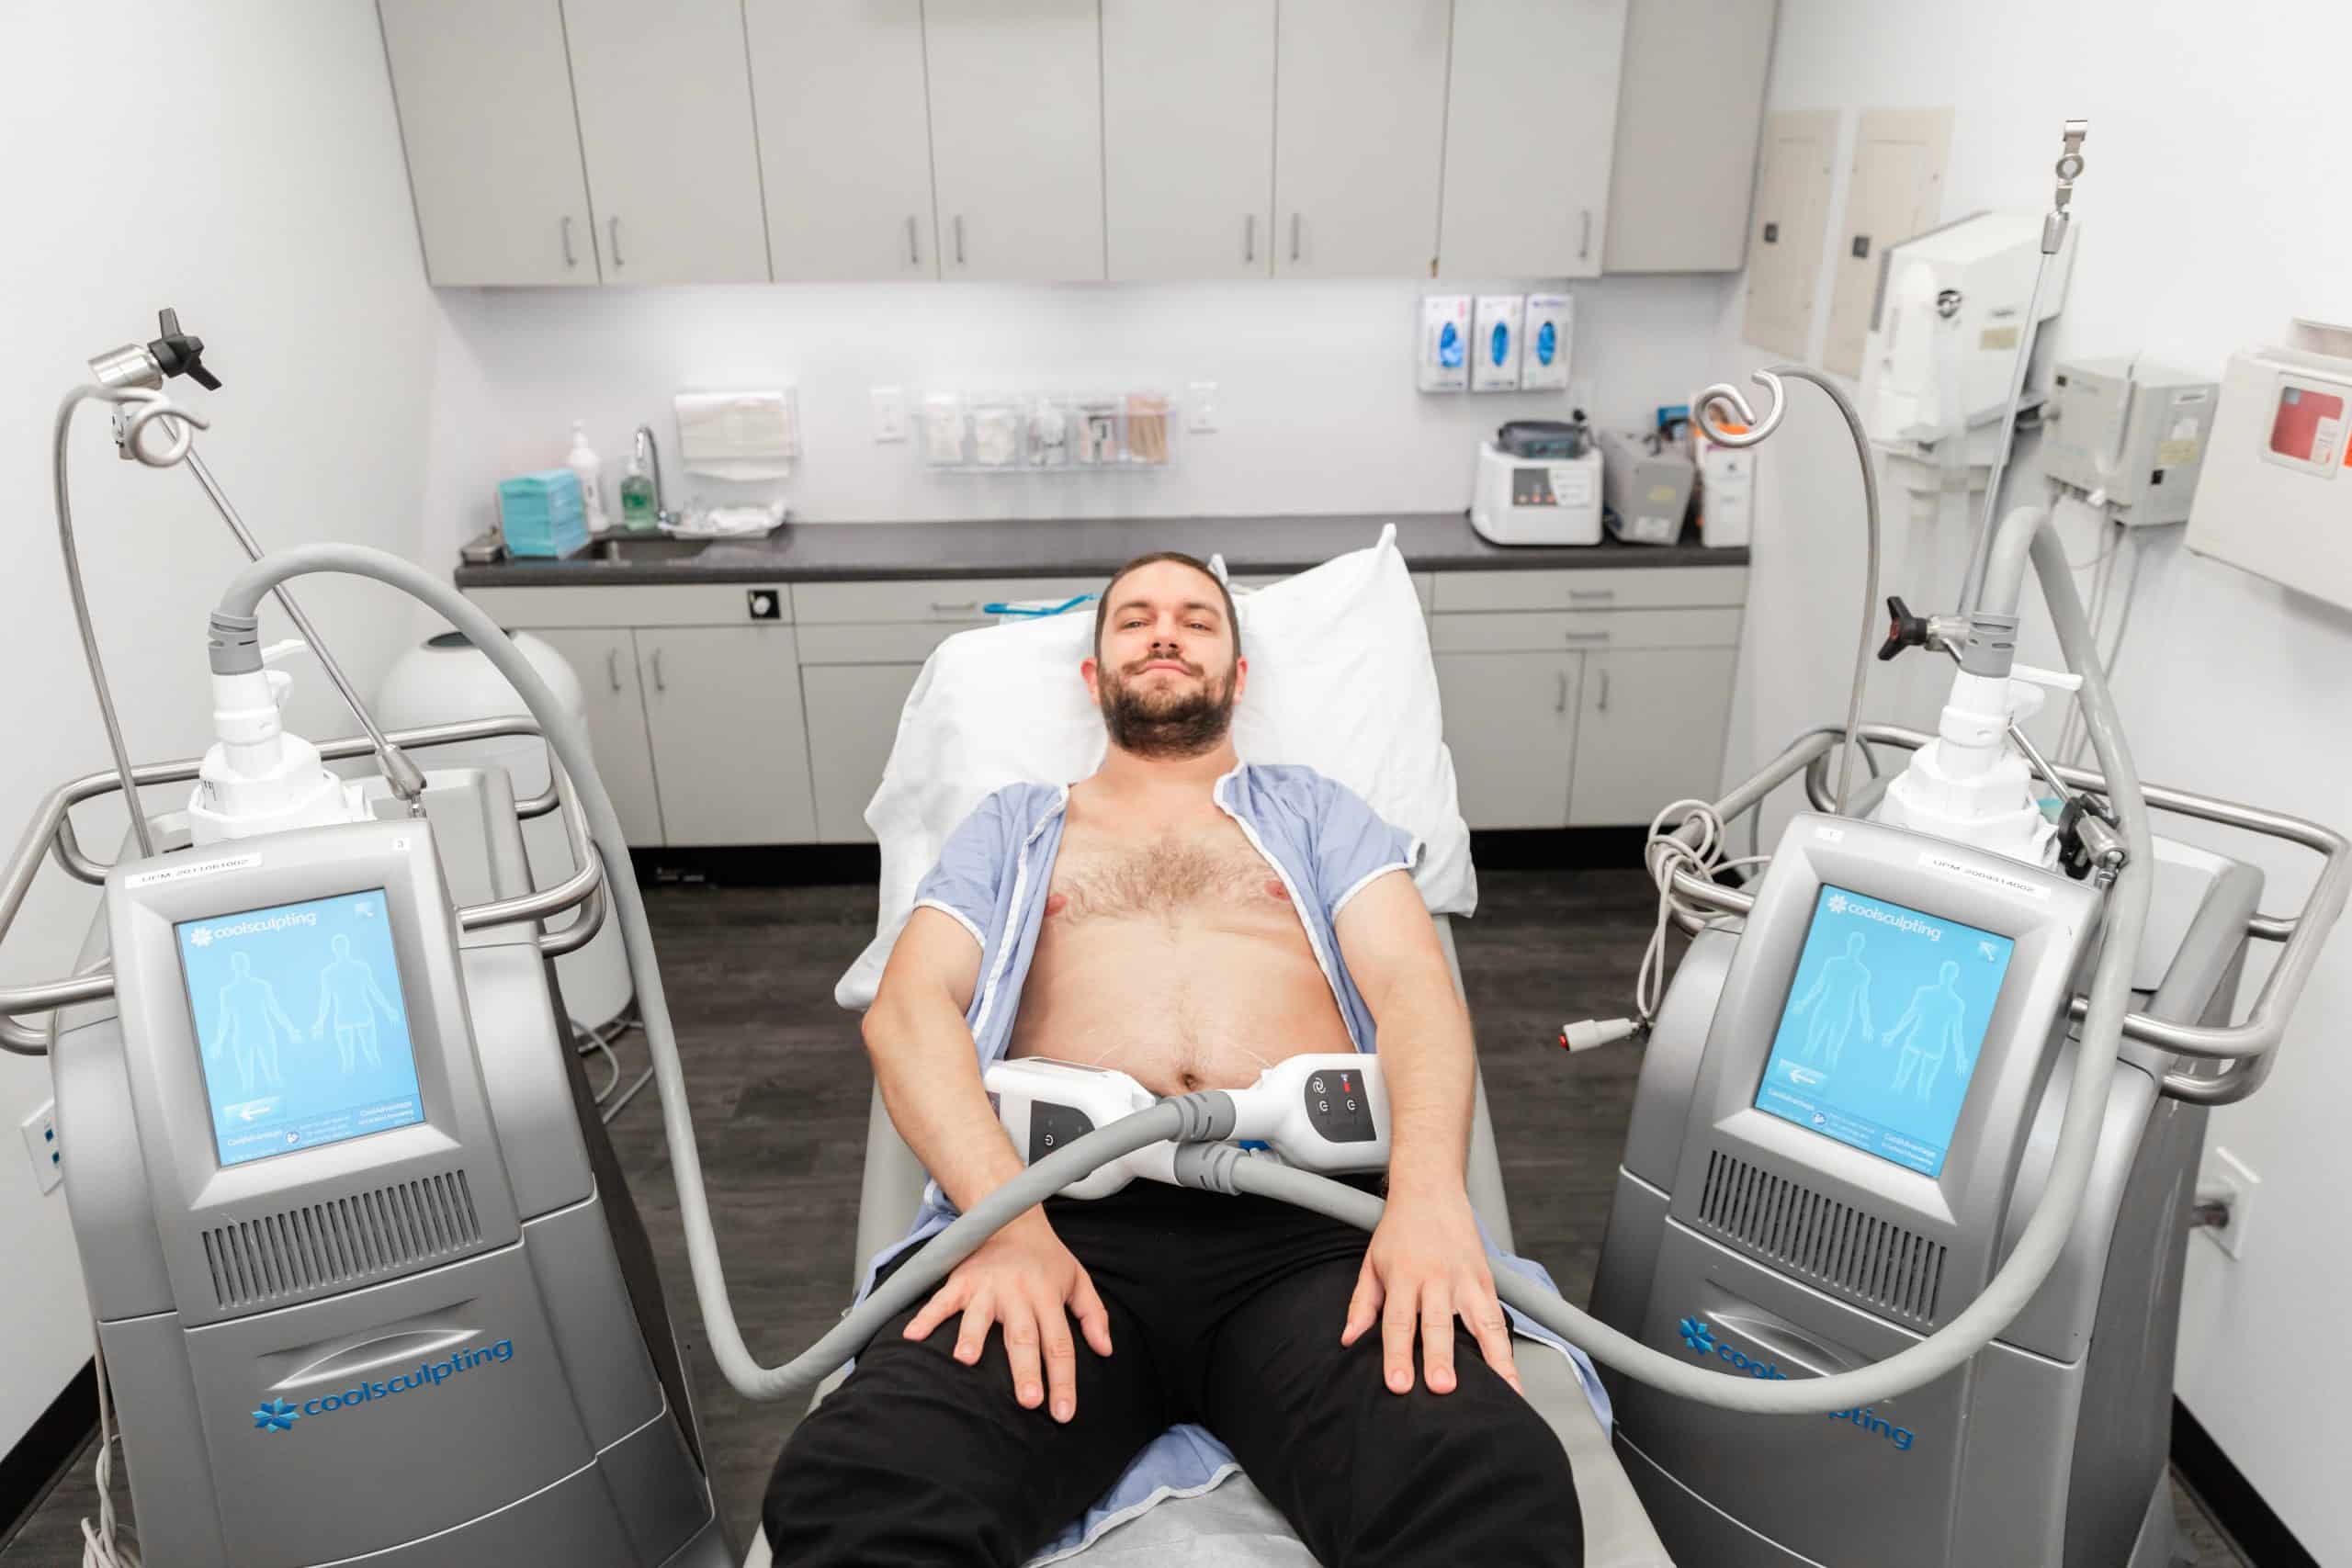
(1426, 1061)
(923, 1059)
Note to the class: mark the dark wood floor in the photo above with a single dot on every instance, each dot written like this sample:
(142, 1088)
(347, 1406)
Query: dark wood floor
(779, 1086)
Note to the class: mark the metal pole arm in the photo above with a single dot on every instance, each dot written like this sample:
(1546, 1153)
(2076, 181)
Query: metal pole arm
(50, 831)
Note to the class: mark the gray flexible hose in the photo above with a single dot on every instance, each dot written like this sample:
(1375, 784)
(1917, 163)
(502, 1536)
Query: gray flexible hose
(1186, 1118)
(1200, 1117)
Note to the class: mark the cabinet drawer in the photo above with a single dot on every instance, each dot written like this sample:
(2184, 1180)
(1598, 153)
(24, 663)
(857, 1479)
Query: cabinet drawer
(953, 599)
(889, 642)
(1584, 629)
(1628, 588)
(641, 604)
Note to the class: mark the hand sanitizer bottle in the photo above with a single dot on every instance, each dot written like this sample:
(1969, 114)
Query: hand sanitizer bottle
(588, 468)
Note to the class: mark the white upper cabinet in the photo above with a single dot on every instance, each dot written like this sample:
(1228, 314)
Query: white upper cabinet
(1188, 137)
(1016, 137)
(1690, 111)
(484, 97)
(844, 136)
(1531, 114)
(665, 125)
(1358, 136)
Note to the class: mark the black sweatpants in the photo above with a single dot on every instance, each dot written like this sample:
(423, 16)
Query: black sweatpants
(1224, 1311)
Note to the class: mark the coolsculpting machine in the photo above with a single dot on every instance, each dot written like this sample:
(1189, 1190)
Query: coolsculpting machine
(1843, 1115)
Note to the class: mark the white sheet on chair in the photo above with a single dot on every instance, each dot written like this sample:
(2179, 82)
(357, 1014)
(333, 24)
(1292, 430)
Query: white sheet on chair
(1340, 680)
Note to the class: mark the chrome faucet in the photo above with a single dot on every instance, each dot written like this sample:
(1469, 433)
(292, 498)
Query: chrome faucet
(646, 446)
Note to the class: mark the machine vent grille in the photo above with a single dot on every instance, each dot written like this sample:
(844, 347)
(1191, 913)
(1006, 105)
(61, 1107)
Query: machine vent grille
(1820, 1239)
(300, 1252)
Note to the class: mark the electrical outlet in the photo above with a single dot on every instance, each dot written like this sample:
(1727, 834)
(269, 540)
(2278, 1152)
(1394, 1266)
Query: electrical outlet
(40, 1146)
(889, 413)
(2231, 1179)
(1200, 407)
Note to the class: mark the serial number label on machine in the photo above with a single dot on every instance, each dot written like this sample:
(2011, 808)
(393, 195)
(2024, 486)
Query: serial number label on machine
(182, 873)
(1931, 860)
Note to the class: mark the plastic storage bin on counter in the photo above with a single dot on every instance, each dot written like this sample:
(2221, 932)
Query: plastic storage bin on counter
(542, 513)
(1033, 433)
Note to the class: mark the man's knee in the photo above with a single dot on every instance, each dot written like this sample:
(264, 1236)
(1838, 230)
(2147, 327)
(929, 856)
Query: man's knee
(1476, 1475)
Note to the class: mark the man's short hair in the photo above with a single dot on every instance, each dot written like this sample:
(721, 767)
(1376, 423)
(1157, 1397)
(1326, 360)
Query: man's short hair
(1102, 604)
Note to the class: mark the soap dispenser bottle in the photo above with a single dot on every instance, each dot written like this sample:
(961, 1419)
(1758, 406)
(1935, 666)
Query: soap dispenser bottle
(636, 496)
(589, 470)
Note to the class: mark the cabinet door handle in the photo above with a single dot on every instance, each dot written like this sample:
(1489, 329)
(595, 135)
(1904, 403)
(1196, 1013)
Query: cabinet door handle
(571, 257)
(1560, 703)
(1588, 637)
(1604, 688)
(612, 667)
(1249, 238)
(966, 607)
(1297, 221)
(1584, 234)
(959, 239)
(613, 226)
(658, 684)
(1589, 594)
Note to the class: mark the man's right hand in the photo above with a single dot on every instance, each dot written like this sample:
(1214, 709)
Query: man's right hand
(1026, 1279)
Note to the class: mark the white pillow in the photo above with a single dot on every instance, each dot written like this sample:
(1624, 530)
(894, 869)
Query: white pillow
(1340, 680)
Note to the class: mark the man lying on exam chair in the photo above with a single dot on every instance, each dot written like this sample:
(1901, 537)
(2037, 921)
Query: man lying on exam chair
(1187, 919)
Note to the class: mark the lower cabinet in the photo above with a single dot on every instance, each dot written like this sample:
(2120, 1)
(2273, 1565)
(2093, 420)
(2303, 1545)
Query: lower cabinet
(1649, 731)
(1511, 722)
(853, 721)
(606, 662)
(730, 747)
(1605, 739)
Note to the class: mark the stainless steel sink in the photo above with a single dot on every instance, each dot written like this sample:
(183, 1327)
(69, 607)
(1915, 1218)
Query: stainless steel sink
(652, 548)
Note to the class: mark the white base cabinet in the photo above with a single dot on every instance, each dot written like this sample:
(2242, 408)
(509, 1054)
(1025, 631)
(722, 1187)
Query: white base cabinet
(1571, 698)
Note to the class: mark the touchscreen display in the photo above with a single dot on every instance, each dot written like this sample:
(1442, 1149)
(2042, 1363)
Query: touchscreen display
(1883, 1026)
(300, 1024)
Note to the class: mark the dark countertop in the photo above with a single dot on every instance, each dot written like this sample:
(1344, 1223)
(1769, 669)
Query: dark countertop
(820, 552)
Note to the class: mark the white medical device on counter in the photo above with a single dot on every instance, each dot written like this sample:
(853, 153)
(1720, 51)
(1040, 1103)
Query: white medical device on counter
(1539, 483)
(2276, 498)
(1325, 1112)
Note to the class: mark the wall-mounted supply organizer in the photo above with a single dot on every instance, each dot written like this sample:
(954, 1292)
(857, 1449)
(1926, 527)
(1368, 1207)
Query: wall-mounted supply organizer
(1032, 432)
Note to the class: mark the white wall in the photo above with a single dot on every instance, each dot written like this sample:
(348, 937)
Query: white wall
(2206, 223)
(1316, 406)
(241, 164)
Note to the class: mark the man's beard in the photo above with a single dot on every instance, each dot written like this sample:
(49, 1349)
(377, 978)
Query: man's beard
(1148, 724)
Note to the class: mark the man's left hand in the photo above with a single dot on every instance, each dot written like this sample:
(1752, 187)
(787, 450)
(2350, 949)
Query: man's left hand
(1424, 1267)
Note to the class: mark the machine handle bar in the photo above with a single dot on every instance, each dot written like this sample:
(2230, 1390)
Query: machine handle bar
(51, 833)
(2244, 1048)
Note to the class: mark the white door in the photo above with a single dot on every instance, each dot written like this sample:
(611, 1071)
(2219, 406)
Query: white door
(729, 746)
(1788, 225)
(1651, 732)
(844, 136)
(1510, 722)
(1530, 119)
(1188, 137)
(1895, 193)
(605, 663)
(1358, 136)
(484, 97)
(665, 123)
(853, 721)
(1016, 137)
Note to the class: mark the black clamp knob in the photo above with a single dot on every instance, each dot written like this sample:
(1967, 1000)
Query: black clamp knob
(1903, 629)
(179, 353)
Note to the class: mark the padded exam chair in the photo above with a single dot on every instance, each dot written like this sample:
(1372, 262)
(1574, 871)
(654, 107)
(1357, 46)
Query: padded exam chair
(1234, 1521)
